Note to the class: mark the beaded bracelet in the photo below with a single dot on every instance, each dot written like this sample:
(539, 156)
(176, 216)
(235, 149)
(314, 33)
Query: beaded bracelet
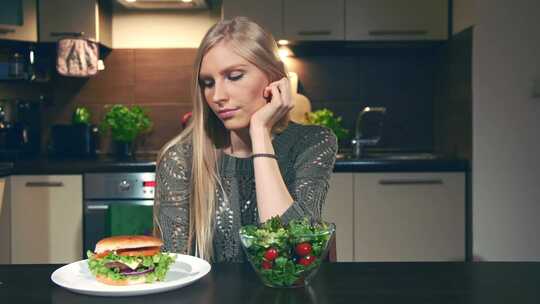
(264, 155)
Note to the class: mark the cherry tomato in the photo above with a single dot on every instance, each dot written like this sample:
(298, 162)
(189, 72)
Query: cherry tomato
(271, 254)
(303, 249)
(266, 264)
(308, 259)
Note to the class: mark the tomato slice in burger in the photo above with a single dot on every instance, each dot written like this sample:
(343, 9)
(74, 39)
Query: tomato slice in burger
(147, 251)
(101, 255)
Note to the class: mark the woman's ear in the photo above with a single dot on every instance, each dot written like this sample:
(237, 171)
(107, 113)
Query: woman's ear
(267, 94)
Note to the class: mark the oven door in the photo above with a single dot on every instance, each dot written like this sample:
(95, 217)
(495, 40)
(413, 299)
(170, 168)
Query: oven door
(97, 217)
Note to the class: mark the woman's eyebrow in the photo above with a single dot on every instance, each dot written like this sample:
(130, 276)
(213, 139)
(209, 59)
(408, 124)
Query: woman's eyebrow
(225, 70)
(232, 67)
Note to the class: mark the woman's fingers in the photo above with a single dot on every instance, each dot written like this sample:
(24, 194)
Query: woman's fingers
(285, 88)
(276, 96)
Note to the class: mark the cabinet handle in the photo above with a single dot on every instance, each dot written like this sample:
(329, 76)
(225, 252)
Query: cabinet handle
(387, 182)
(76, 34)
(97, 207)
(44, 184)
(397, 32)
(6, 31)
(314, 33)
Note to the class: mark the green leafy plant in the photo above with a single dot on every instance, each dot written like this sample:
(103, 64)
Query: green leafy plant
(326, 118)
(81, 115)
(125, 123)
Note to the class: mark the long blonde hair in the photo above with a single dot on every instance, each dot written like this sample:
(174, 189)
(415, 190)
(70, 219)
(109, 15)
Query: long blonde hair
(206, 132)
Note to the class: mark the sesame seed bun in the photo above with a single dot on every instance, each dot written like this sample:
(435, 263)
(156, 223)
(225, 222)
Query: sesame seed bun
(123, 282)
(126, 242)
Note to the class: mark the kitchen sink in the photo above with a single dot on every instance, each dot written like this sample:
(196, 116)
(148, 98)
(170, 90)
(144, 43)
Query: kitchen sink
(388, 156)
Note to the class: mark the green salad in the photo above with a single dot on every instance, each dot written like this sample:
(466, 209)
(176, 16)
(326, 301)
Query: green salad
(283, 255)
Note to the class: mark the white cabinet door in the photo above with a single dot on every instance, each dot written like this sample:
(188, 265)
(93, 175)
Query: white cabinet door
(266, 13)
(46, 219)
(409, 217)
(5, 223)
(89, 18)
(314, 19)
(18, 20)
(338, 209)
(396, 20)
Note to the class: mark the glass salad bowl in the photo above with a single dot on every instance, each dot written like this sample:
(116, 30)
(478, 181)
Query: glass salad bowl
(286, 255)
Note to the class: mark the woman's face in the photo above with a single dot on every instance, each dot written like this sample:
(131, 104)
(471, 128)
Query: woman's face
(232, 86)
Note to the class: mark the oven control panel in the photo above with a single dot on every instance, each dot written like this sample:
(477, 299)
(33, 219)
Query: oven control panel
(119, 185)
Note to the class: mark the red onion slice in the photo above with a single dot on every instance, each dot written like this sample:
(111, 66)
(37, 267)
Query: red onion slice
(139, 272)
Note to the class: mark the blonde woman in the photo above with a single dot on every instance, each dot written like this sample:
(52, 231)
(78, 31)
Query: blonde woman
(240, 161)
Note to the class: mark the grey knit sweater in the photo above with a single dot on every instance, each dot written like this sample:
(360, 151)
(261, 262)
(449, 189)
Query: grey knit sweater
(306, 156)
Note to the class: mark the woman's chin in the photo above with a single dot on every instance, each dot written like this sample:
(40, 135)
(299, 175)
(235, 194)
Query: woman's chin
(234, 124)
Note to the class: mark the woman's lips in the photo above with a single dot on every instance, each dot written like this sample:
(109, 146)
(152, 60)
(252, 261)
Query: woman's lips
(227, 113)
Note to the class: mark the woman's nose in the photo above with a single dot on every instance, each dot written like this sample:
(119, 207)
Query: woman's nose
(220, 92)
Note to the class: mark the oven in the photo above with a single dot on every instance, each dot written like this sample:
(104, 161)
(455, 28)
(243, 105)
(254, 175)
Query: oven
(106, 191)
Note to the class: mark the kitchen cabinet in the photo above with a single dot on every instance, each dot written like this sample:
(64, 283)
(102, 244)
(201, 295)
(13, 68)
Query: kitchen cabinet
(18, 20)
(5, 223)
(409, 216)
(46, 218)
(396, 20)
(313, 19)
(398, 216)
(338, 209)
(352, 20)
(91, 19)
(270, 17)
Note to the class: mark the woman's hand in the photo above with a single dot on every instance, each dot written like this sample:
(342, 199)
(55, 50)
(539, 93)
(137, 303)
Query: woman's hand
(280, 102)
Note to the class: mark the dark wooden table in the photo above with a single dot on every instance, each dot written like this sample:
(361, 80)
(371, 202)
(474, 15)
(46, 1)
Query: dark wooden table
(364, 283)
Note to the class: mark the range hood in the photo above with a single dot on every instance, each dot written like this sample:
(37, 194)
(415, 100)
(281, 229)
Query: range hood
(165, 4)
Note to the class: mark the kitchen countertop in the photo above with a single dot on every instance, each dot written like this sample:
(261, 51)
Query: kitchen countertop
(394, 282)
(147, 163)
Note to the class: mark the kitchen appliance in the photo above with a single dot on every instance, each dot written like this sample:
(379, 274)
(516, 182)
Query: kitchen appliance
(20, 123)
(73, 140)
(104, 192)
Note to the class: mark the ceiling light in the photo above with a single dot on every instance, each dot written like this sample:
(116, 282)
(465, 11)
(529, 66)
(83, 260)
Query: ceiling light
(283, 42)
(131, 1)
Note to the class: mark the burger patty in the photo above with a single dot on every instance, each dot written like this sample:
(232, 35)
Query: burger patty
(119, 265)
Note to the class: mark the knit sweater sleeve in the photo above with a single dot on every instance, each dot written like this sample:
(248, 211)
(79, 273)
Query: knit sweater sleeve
(171, 203)
(308, 182)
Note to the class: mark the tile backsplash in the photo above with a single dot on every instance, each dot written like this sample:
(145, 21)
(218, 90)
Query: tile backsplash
(400, 79)
(408, 81)
(156, 79)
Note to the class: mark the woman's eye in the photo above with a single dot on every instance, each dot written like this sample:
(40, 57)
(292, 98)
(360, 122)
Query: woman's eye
(235, 76)
(207, 83)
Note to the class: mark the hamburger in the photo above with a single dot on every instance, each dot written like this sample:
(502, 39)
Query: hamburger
(129, 260)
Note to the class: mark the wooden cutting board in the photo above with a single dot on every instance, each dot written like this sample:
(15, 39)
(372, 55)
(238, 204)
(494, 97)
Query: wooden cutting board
(302, 106)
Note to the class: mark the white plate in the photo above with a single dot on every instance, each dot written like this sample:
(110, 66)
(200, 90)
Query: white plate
(78, 278)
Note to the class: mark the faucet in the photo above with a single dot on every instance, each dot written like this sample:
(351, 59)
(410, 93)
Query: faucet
(358, 142)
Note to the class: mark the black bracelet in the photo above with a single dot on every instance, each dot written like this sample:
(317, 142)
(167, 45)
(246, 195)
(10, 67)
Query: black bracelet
(264, 155)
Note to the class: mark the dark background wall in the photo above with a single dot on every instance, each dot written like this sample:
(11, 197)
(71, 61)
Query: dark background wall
(453, 101)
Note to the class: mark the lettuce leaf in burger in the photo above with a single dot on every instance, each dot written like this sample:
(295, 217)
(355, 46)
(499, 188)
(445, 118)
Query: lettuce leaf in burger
(128, 260)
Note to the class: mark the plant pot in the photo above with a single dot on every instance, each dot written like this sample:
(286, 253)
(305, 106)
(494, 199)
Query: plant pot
(123, 150)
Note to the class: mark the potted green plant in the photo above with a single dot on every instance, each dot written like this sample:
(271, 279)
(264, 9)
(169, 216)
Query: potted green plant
(326, 118)
(125, 125)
